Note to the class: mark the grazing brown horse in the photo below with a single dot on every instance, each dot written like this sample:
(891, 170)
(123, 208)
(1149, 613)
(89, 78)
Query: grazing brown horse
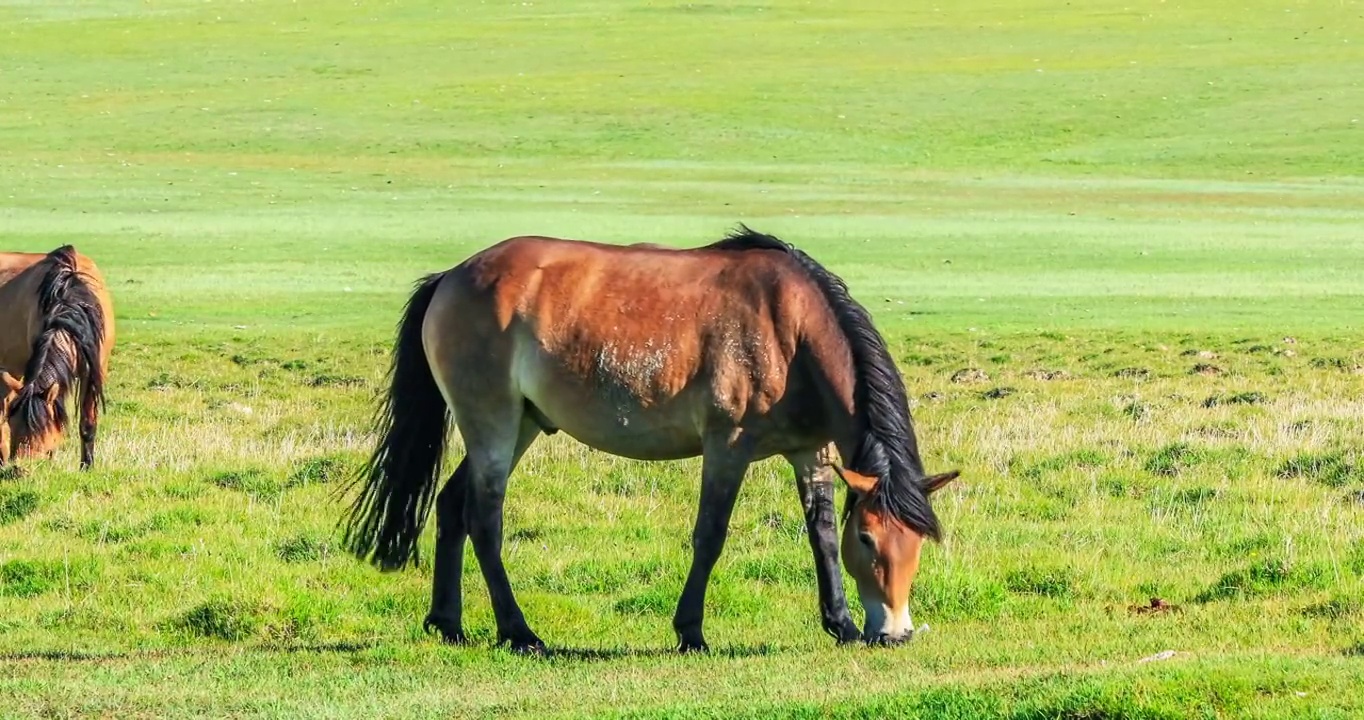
(56, 333)
(737, 351)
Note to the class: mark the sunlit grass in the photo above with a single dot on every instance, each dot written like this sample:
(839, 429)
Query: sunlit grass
(221, 529)
(1115, 250)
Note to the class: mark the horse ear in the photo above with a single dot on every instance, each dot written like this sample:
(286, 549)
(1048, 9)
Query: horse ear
(862, 484)
(8, 381)
(53, 394)
(933, 483)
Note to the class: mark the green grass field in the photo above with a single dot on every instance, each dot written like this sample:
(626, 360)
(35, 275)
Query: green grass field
(1142, 222)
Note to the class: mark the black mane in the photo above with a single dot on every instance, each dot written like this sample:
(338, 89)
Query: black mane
(70, 311)
(886, 447)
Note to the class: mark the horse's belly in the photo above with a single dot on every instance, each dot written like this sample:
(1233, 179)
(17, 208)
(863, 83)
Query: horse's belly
(650, 445)
(642, 434)
(610, 416)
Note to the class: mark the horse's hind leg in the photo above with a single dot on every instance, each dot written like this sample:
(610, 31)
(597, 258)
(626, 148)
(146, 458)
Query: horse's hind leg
(492, 455)
(452, 527)
(447, 604)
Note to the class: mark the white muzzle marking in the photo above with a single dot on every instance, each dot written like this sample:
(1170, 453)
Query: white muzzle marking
(885, 624)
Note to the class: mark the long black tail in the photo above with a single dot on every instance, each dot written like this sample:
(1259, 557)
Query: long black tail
(400, 479)
(67, 351)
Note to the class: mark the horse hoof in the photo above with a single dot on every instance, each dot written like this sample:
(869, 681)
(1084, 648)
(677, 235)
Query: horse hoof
(845, 634)
(533, 646)
(688, 647)
(448, 634)
(454, 638)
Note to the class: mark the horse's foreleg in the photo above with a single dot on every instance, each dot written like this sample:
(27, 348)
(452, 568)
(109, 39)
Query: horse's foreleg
(722, 472)
(814, 480)
(447, 606)
(489, 469)
(89, 427)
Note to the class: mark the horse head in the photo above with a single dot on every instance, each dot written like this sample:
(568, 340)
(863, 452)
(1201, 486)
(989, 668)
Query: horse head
(882, 555)
(20, 435)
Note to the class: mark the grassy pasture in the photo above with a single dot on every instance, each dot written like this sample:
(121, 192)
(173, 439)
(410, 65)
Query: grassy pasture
(1141, 222)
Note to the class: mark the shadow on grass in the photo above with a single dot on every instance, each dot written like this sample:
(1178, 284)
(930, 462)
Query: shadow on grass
(608, 654)
(159, 653)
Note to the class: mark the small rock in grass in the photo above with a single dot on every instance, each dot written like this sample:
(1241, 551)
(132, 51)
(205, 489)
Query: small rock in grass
(970, 375)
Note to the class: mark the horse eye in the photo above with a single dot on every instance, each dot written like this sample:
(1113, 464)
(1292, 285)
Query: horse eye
(866, 539)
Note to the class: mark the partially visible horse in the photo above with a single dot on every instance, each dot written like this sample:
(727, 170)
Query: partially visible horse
(737, 351)
(9, 389)
(56, 334)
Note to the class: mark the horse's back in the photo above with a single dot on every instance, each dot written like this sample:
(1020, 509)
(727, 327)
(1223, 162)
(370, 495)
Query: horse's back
(12, 264)
(644, 290)
(509, 261)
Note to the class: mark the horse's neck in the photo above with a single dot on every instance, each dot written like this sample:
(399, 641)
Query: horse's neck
(828, 367)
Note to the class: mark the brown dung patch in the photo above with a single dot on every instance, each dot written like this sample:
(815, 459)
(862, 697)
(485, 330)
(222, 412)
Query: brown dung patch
(1157, 606)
